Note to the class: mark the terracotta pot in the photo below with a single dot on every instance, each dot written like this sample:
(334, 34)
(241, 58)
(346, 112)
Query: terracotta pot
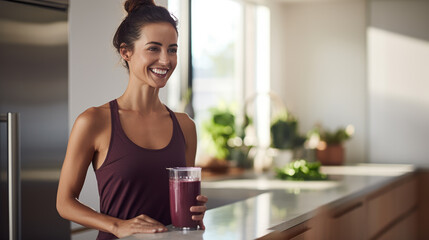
(333, 154)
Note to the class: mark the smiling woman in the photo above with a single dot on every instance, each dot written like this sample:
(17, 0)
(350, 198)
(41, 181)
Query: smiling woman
(131, 140)
(154, 57)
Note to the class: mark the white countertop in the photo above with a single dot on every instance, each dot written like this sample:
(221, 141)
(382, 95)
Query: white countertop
(278, 204)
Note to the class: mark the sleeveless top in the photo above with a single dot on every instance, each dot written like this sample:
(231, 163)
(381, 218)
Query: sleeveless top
(134, 180)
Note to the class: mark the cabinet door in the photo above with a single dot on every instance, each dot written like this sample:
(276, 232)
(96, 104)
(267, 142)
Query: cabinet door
(349, 223)
(405, 197)
(404, 229)
(381, 212)
(302, 231)
(306, 235)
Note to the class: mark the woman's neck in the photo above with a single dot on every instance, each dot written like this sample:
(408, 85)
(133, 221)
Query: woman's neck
(142, 98)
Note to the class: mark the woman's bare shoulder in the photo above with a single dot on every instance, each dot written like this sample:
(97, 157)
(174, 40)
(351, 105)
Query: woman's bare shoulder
(184, 120)
(187, 125)
(189, 131)
(94, 117)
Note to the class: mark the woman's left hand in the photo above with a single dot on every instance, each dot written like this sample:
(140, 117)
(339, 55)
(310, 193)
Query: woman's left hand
(201, 209)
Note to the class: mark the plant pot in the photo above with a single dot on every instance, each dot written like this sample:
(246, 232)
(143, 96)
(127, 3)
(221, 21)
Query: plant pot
(333, 154)
(240, 157)
(282, 157)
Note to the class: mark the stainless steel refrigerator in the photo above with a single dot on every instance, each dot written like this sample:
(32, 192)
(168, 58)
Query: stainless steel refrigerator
(34, 84)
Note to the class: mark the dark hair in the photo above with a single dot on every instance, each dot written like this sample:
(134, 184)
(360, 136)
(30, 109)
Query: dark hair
(140, 13)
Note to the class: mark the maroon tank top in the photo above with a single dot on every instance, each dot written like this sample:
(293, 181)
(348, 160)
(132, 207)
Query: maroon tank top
(134, 180)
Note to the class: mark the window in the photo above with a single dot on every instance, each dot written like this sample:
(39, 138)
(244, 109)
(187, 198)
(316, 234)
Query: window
(230, 58)
(217, 41)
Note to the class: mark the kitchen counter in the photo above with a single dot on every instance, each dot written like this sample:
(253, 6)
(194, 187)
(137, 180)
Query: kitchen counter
(277, 205)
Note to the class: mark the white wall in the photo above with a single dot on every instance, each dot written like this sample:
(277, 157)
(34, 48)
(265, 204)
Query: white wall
(96, 75)
(95, 71)
(318, 66)
(343, 61)
(398, 53)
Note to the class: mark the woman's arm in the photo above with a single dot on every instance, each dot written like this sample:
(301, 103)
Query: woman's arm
(81, 148)
(189, 130)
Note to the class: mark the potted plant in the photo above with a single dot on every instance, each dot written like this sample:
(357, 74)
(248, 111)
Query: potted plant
(224, 140)
(330, 149)
(285, 138)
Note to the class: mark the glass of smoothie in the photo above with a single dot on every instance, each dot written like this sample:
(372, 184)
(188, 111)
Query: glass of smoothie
(185, 186)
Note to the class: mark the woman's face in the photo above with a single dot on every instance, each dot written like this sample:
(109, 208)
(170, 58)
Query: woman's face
(155, 55)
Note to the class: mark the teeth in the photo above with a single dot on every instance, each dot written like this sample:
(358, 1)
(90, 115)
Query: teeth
(159, 71)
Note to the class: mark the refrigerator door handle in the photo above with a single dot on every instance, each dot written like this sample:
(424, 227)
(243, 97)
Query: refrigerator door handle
(14, 169)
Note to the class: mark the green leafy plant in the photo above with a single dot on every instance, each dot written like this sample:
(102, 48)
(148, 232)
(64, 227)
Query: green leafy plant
(284, 133)
(337, 136)
(222, 132)
(219, 128)
(301, 170)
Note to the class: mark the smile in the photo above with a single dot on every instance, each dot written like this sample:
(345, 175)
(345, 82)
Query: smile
(159, 71)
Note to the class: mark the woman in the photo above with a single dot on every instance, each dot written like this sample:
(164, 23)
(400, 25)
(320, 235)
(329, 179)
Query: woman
(131, 140)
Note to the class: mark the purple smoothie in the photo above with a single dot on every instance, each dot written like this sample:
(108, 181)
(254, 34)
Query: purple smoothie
(183, 195)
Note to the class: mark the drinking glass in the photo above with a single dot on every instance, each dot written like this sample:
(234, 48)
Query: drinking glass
(185, 186)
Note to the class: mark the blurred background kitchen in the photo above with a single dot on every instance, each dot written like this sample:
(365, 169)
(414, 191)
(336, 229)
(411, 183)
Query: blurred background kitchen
(328, 64)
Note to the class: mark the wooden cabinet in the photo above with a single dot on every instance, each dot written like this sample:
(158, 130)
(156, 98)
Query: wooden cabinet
(380, 209)
(406, 228)
(387, 213)
(388, 210)
(347, 222)
(306, 235)
(423, 204)
(405, 196)
(302, 231)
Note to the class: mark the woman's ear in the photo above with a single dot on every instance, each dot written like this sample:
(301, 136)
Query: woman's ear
(125, 52)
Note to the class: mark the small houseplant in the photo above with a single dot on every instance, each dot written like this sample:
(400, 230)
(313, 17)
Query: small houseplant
(330, 148)
(285, 138)
(224, 139)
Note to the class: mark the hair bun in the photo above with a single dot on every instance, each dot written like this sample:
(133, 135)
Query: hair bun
(133, 5)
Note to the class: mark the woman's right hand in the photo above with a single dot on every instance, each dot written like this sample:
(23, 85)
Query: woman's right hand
(139, 224)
